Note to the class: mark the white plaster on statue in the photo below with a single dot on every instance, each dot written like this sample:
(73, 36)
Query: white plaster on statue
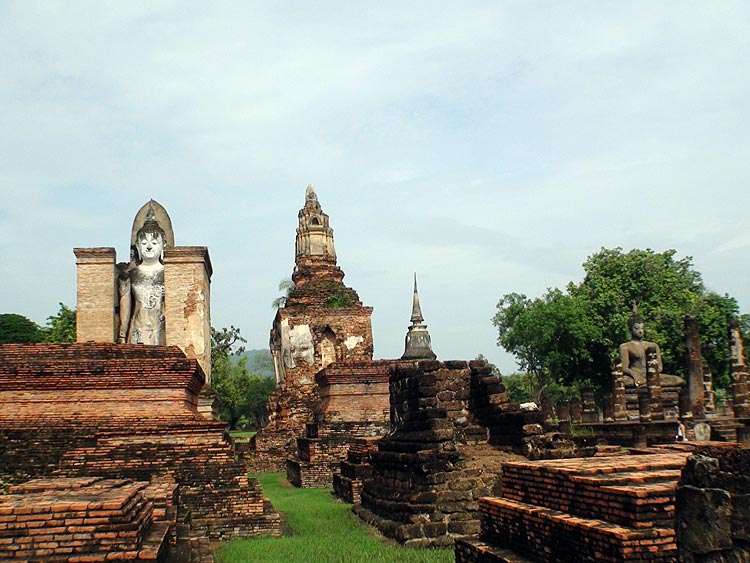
(301, 344)
(141, 290)
(286, 347)
(278, 368)
(353, 341)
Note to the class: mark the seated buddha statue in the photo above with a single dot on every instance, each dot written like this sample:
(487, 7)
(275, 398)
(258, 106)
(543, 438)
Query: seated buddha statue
(634, 356)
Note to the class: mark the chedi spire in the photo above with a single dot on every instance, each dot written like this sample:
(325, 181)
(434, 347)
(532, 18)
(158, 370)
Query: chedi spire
(418, 343)
(314, 234)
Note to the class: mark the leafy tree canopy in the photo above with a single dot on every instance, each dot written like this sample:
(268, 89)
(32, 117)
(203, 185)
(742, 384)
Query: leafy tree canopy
(18, 329)
(243, 391)
(570, 337)
(61, 327)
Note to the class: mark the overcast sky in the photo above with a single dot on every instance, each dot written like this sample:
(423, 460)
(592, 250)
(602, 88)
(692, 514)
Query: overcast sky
(490, 147)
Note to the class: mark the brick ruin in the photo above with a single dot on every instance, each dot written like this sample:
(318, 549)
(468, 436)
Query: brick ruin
(186, 295)
(637, 417)
(354, 470)
(353, 403)
(452, 427)
(105, 454)
(322, 321)
(610, 509)
(123, 412)
(87, 519)
(713, 508)
(617, 509)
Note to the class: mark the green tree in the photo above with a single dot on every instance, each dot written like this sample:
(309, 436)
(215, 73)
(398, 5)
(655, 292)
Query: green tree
(665, 289)
(549, 337)
(18, 329)
(262, 362)
(287, 286)
(61, 327)
(243, 394)
(573, 336)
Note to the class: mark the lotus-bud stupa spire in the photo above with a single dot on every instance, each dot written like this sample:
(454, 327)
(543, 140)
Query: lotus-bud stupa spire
(418, 342)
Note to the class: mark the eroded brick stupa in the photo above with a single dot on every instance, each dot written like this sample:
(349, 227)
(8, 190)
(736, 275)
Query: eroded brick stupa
(323, 321)
(108, 441)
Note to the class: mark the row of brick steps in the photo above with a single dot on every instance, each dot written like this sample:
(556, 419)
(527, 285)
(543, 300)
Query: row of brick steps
(87, 519)
(613, 508)
(354, 470)
(726, 429)
(636, 491)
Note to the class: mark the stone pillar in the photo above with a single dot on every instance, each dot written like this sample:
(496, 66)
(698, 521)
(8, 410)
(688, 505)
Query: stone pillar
(644, 406)
(608, 409)
(619, 400)
(740, 399)
(684, 404)
(187, 298)
(588, 405)
(576, 410)
(694, 366)
(562, 410)
(740, 378)
(709, 398)
(653, 379)
(96, 295)
(546, 409)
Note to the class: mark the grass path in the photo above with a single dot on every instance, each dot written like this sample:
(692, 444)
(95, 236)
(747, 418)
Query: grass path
(325, 531)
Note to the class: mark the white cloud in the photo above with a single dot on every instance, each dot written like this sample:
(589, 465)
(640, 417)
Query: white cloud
(489, 148)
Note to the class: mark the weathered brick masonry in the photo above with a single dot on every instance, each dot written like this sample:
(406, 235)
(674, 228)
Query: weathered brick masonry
(125, 412)
(354, 402)
(354, 470)
(87, 519)
(594, 509)
(612, 509)
(322, 322)
(450, 421)
(713, 507)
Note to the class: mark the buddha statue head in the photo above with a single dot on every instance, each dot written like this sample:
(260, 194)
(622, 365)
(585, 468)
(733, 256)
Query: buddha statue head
(636, 325)
(149, 242)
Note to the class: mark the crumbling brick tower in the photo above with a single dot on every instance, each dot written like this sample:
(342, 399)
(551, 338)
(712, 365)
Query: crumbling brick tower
(323, 321)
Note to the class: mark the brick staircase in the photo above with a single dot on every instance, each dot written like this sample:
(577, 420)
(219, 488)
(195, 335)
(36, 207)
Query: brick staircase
(354, 470)
(86, 519)
(724, 429)
(609, 509)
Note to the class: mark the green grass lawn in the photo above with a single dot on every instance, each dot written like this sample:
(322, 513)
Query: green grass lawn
(325, 531)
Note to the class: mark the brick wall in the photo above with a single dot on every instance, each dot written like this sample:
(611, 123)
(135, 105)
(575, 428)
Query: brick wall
(428, 473)
(354, 403)
(614, 509)
(95, 302)
(87, 519)
(713, 507)
(187, 302)
(124, 411)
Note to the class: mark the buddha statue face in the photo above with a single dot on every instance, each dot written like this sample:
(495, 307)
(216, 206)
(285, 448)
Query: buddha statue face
(638, 330)
(150, 246)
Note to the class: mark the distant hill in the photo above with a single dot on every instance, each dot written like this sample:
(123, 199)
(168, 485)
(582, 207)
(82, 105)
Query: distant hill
(259, 362)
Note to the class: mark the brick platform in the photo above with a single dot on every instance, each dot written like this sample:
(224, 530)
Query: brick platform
(353, 403)
(431, 469)
(713, 508)
(87, 520)
(354, 470)
(125, 412)
(612, 509)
